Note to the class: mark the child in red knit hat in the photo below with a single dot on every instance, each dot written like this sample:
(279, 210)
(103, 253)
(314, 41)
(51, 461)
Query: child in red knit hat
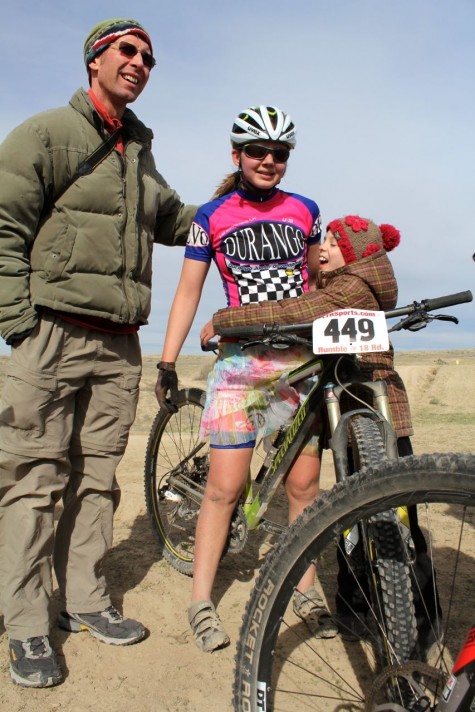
(355, 272)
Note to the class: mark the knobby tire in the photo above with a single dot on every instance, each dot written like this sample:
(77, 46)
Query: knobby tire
(387, 559)
(176, 468)
(278, 663)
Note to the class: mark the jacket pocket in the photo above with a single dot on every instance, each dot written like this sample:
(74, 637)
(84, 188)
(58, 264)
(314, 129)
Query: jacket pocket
(60, 254)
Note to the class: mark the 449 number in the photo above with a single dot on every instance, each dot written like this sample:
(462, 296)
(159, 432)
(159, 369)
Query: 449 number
(353, 329)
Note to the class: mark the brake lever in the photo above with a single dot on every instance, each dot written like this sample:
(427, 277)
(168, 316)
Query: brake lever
(446, 317)
(277, 341)
(419, 320)
(257, 342)
(272, 340)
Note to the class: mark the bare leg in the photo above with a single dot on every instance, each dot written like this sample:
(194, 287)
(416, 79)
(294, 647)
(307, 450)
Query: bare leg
(226, 479)
(302, 487)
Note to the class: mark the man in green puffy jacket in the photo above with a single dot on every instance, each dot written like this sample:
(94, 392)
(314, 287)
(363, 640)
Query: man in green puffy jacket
(75, 281)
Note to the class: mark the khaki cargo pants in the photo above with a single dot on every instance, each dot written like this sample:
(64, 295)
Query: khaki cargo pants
(68, 402)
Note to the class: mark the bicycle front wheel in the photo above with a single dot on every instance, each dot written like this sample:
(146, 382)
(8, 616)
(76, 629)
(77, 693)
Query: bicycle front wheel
(385, 576)
(280, 666)
(176, 469)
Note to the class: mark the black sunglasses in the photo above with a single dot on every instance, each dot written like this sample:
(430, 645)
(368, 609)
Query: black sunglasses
(257, 151)
(130, 50)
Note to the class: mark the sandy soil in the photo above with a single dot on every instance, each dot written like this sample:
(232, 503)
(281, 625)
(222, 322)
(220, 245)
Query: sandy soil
(166, 671)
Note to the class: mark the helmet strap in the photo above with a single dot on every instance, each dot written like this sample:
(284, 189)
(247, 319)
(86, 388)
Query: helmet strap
(247, 187)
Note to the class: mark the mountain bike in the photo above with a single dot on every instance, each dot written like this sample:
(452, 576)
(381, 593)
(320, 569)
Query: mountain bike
(177, 464)
(176, 461)
(280, 667)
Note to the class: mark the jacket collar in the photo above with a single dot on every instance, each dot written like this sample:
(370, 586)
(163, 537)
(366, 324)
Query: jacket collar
(133, 128)
(376, 271)
(256, 196)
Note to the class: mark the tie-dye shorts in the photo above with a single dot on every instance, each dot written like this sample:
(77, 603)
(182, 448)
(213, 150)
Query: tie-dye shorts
(242, 404)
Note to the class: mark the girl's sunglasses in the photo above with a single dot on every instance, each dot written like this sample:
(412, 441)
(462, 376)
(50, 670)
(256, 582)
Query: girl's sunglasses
(257, 151)
(130, 50)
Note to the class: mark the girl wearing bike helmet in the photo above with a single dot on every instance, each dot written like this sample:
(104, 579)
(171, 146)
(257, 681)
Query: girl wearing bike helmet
(264, 242)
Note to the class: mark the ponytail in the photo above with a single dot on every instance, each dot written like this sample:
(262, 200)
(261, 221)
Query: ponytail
(227, 185)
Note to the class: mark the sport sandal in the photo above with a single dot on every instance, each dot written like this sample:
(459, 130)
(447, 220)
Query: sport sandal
(309, 606)
(206, 627)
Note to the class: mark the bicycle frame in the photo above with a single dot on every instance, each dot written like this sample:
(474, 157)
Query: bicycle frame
(290, 439)
(459, 692)
(265, 643)
(181, 475)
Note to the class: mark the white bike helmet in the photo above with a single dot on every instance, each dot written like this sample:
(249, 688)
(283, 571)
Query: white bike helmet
(263, 123)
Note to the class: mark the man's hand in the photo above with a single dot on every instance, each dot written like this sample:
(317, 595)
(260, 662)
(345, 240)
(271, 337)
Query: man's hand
(167, 380)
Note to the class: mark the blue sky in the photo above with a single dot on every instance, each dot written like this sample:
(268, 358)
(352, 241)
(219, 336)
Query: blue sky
(382, 93)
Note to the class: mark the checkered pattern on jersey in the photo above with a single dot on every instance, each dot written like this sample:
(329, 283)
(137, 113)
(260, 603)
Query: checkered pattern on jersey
(269, 284)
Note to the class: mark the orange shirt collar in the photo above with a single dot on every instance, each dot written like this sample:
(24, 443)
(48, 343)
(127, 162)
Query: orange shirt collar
(111, 123)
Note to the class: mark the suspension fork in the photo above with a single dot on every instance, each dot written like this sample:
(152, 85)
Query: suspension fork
(338, 423)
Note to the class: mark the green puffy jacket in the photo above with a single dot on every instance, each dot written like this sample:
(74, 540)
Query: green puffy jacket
(90, 252)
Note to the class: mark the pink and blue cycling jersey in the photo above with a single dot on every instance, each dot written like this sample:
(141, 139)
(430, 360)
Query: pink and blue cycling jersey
(259, 246)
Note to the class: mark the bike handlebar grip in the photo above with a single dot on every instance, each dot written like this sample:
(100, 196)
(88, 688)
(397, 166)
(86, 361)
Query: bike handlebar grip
(210, 346)
(238, 332)
(447, 301)
(256, 330)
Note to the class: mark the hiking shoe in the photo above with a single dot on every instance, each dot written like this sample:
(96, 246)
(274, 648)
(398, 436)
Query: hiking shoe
(33, 662)
(108, 626)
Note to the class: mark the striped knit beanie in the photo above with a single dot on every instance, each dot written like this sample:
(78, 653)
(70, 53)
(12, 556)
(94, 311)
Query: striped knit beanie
(108, 31)
(359, 237)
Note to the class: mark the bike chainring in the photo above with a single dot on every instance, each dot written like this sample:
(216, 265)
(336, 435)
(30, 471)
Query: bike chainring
(410, 673)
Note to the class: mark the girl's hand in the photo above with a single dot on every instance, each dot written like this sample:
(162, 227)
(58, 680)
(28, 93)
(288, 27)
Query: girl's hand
(207, 333)
(167, 381)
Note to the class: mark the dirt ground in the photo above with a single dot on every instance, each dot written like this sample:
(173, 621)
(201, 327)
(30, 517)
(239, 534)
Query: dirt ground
(166, 672)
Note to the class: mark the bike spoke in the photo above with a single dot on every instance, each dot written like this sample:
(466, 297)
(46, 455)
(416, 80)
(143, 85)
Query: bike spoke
(290, 669)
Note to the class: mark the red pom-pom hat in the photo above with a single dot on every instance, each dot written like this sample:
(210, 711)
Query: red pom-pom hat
(359, 237)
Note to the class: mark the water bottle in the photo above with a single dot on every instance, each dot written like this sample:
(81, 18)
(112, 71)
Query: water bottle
(283, 405)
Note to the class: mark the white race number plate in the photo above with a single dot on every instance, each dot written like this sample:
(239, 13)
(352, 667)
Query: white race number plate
(350, 331)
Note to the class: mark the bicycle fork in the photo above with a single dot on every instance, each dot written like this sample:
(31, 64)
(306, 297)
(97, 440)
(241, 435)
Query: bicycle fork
(338, 423)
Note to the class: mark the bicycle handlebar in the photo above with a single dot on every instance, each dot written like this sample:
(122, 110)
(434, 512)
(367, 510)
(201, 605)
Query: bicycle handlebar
(426, 305)
(262, 330)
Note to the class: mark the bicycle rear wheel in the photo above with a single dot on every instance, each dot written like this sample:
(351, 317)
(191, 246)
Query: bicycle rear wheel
(176, 468)
(176, 471)
(279, 666)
